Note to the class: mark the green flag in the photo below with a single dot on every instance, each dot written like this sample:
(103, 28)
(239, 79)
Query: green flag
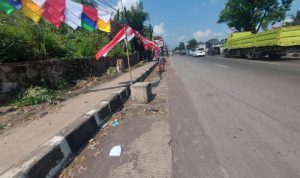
(86, 26)
(6, 7)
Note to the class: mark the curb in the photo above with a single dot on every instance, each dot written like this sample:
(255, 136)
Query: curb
(48, 159)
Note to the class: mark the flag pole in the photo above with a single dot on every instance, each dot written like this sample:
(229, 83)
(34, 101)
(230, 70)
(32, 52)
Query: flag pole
(126, 43)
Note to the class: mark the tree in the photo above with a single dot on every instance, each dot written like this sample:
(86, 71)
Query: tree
(296, 18)
(192, 44)
(212, 42)
(181, 46)
(246, 15)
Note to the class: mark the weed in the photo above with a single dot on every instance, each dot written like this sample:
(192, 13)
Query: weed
(35, 95)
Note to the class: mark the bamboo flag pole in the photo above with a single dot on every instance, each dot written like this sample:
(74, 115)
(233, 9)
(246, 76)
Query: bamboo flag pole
(126, 43)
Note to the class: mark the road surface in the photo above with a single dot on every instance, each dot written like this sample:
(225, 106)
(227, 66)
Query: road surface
(235, 117)
(222, 118)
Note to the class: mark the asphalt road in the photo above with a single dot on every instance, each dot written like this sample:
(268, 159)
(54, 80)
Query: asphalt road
(234, 117)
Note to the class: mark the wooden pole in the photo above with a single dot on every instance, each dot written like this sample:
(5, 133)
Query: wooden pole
(127, 44)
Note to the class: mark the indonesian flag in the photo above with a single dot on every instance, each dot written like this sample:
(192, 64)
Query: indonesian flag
(147, 43)
(119, 37)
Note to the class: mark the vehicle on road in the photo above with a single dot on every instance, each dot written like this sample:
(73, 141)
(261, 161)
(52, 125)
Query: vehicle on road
(273, 43)
(200, 52)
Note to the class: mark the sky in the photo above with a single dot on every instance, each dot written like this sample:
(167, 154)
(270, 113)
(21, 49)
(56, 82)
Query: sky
(182, 20)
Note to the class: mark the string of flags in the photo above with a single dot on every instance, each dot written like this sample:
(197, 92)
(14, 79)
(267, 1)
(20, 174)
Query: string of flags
(130, 33)
(75, 15)
(57, 12)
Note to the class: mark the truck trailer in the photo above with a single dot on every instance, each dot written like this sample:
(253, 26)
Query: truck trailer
(273, 43)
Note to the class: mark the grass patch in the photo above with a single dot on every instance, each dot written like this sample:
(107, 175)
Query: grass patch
(35, 95)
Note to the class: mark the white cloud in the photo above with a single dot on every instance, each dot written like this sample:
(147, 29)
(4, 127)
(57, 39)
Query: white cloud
(213, 1)
(208, 33)
(127, 3)
(159, 29)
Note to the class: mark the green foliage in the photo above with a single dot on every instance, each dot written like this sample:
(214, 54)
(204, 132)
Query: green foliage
(35, 95)
(212, 42)
(245, 15)
(135, 17)
(192, 44)
(24, 40)
(296, 18)
(181, 46)
(111, 71)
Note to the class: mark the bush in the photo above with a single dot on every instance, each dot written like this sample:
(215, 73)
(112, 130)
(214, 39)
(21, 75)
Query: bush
(23, 40)
(35, 95)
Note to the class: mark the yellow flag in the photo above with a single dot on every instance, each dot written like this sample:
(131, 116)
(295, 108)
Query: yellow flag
(32, 6)
(103, 26)
(32, 15)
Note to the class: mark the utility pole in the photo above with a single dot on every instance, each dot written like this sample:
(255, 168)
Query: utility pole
(126, 43)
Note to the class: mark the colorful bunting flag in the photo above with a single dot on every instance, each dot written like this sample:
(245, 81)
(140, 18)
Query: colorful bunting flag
(57, 11)
(73, 13)
(86, 26)
(88, 21)
(32, 15)
(54, 12)
(91, 12)
(103, 26)
(15, 3)
(31, 10)
(6, 7)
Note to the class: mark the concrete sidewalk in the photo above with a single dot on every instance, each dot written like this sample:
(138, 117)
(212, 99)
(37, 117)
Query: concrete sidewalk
(17, 144)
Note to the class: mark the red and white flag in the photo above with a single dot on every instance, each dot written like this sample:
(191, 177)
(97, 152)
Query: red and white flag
(147, 43)
(121, 35)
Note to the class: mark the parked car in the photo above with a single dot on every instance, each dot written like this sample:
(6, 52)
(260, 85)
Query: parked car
(200, 52)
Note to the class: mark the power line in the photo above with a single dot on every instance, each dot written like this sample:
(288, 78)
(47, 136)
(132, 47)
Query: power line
(107, 4)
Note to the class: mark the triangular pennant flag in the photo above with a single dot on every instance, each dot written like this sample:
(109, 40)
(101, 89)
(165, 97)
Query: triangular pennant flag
(91, 12)
(6, 7)
(16, 3)
(103, 26)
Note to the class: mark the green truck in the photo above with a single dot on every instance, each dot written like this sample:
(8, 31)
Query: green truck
(273, 43)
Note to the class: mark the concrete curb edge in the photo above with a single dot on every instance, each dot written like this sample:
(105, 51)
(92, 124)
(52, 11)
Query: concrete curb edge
(48, 159)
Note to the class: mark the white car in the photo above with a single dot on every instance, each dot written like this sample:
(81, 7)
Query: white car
(199, 52)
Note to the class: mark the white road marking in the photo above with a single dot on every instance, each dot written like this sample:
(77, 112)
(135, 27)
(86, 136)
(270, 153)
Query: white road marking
(264, 62)
(219, 65)
(255, 61)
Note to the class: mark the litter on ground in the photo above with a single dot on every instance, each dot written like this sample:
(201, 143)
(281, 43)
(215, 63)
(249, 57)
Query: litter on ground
(115, 151)
(115, 123)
